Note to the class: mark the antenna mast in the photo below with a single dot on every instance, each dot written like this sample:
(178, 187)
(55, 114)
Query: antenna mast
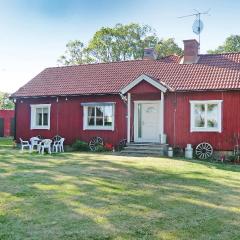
(197, 24)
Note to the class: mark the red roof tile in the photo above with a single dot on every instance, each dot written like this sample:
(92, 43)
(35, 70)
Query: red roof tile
(212, 72)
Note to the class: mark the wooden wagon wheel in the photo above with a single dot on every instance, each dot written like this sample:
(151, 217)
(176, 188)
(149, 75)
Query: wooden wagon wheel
(122, 144)
(204, 150)
(95, 143)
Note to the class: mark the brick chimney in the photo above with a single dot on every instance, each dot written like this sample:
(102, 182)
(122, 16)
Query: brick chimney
(190, 51)
(149, 54)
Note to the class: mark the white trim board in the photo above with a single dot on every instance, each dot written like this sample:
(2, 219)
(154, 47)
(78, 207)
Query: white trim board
(128, 117)
(146, 78)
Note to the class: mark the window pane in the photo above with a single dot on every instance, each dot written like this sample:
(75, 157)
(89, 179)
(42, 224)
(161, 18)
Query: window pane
(100, 115)
(99, 111)
(45, 116)
(108, 111)
(38, 116)
(212, 115)
(99, 121)
(91, 111)
(91, 121)
(199, 115)
(108, 121)
(108, 115)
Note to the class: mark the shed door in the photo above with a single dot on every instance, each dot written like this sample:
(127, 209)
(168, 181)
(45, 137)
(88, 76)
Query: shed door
(12, 127)
(1, 127)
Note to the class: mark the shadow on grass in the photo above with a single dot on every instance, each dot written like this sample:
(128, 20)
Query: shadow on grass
(96, 196)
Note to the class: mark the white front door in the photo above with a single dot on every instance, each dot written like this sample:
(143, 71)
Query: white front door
(147, 121)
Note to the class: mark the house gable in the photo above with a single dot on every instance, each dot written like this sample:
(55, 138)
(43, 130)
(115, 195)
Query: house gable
(144, 87)
(158, 85)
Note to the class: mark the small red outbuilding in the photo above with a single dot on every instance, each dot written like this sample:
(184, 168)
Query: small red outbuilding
(7, 123)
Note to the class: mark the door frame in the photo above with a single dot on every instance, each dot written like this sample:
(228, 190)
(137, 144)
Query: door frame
(160, 132)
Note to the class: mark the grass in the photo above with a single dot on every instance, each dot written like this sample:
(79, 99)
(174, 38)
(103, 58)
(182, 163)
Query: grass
(100, 196)
(6, 142)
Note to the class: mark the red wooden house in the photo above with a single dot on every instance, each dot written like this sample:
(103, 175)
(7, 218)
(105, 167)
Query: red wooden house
(7, 123)
(185, 99)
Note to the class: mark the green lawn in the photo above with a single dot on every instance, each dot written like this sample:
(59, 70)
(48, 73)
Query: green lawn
(6, 142)
(97, 196)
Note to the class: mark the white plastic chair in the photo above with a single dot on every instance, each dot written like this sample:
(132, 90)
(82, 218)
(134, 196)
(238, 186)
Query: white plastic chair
(58, 145)
(25, 144)
(34, 142)
(61, 148)
(45, 144)
(55, 146)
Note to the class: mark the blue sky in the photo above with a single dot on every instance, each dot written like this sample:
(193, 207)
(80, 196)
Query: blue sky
(33, 33)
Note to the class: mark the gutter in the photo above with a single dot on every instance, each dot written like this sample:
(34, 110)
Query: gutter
(67, 95)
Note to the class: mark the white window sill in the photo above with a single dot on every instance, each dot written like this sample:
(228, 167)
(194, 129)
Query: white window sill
(99, 128)
(41, 127)
(205, 130)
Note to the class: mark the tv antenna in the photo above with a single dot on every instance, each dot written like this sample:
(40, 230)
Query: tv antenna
(197, 26)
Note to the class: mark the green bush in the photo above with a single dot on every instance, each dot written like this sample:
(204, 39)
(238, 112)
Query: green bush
(232, 158)
(100, 148)
(80, 146)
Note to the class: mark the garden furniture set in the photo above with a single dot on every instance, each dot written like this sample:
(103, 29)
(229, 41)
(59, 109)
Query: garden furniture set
(40, 144)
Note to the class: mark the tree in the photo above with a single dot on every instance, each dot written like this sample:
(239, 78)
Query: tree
(166, 47)
(231, 44)
(119, 43)
(122, 42)
(5, 102)
(75, 54)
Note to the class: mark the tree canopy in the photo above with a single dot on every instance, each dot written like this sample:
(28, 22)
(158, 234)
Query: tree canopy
(75, 53)
(166, 47)
(231, 44)
(5, 102)
(119, 43)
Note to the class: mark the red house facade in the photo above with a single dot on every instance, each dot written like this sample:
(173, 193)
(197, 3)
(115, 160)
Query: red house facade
(7, 123)
(181, 100)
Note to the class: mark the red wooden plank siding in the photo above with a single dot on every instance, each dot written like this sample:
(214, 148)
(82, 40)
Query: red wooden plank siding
(69, 123)
(70, 117)
(144, 87)
(7, 115)
(230, 119)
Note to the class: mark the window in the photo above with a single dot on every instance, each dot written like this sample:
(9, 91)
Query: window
(40, 116)
(98, 116)
(206, 116)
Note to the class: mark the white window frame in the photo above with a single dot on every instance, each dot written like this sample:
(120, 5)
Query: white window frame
(206, 129)
(33, 115)
(97, 104)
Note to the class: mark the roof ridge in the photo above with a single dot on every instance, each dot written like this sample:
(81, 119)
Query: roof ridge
(140, 60)
(100, 63)
(215, 54)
